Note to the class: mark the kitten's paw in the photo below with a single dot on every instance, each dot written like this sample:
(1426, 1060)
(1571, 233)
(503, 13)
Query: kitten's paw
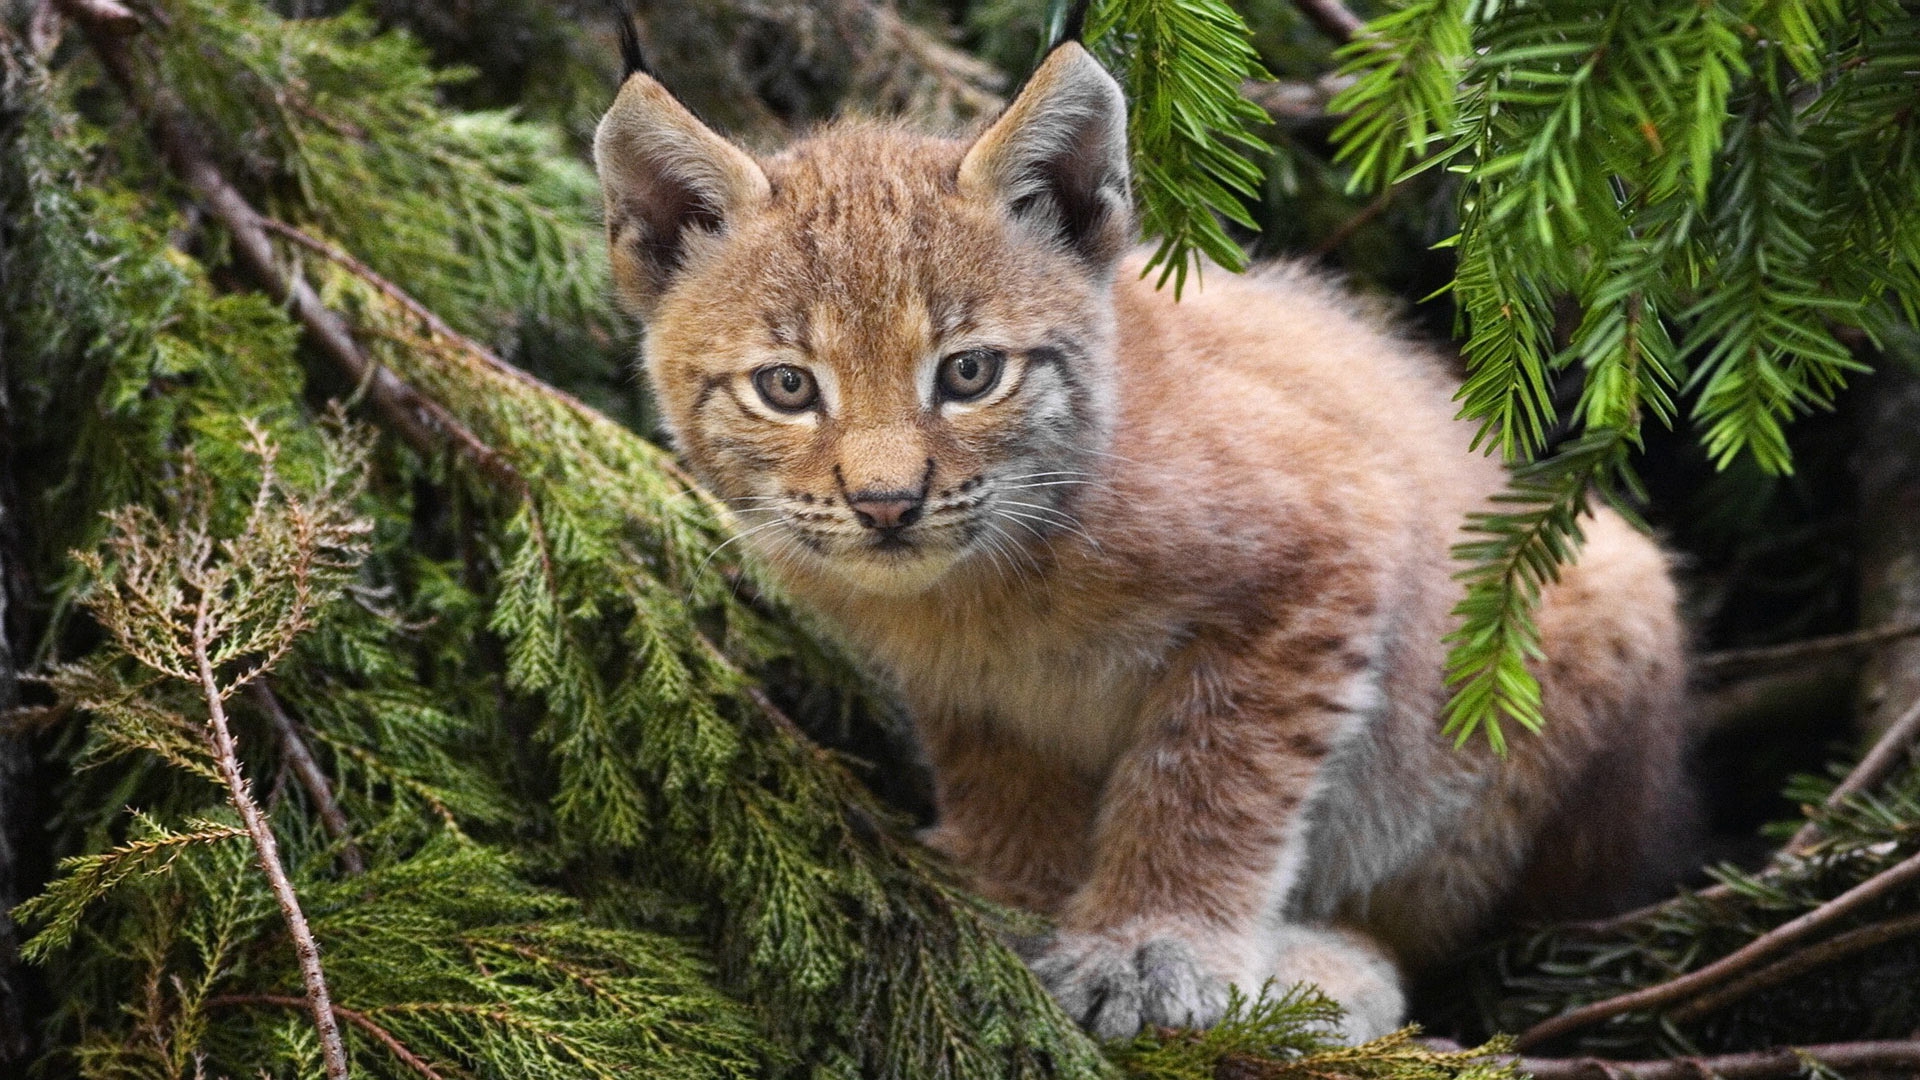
(1349, 968)
(1114, 986)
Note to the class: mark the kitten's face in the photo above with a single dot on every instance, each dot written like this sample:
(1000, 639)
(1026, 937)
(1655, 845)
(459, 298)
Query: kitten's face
(889, 354)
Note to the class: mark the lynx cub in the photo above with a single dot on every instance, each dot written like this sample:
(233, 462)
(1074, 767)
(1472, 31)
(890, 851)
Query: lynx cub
(1163, 584)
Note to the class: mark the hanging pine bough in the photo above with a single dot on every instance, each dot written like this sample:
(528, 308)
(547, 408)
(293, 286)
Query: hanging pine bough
(1720, 187)
(518, 762)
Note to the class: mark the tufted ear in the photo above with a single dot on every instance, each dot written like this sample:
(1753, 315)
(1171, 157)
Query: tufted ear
(1057, 158)
(664, 176)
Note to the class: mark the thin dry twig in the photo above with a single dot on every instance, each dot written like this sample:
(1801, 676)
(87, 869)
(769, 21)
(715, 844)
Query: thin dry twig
(1893, 744)
(352, 1016)
(1760, 948)
(1800, 962)
(1778, 1062)
(1880, 760)
(226, 756)
(1720, 664)
(294, 745)
(1332, 18)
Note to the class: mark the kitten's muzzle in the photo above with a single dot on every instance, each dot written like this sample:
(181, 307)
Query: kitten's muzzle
(886, 512)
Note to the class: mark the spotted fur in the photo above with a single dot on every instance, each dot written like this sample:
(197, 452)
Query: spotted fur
(1168, 609)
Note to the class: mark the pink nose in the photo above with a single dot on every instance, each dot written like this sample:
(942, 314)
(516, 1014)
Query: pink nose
(885, 511)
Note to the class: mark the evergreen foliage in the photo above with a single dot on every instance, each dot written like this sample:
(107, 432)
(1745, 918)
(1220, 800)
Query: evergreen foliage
(1723, 189)
(560, 820)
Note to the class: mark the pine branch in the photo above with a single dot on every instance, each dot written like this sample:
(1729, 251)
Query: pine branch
(1182, 63)
(1889, 750)
(1766, 945)
(1331, 18)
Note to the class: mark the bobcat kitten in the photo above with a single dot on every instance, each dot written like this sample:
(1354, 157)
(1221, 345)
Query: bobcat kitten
(1164, 584)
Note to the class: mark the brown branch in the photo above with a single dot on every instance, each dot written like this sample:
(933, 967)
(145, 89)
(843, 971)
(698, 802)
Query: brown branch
(226, 756)
(356, 1018)
(1719, 664)
(1773, 1064)
(1799, 963)
(1739, 960)
(1873, 768)
(1887, 751)
(294, 745)
(425, 424)
(1332, 18)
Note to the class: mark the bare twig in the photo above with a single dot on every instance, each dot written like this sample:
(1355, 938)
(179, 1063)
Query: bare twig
(1893, 744)
(294, 745)
(1733, 963)
(1873, 768)
(1719, 664)
(1779, 1062)
(352, 1016)
(1800, 962)
(226, 756)
(1332, 18)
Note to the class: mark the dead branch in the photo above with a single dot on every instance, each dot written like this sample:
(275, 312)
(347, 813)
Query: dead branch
(1804, 960)
(352, 1016)
(1760, 948)
(1888, 750)
(226, 756)
(294, 745)
(1332, 18)
(1726, 661)
(1781, 1061)
(1873, 768)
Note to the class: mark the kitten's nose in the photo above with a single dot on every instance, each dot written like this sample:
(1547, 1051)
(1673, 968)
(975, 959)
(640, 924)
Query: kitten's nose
(885, 510)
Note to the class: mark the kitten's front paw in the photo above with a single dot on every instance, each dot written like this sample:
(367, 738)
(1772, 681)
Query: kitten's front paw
(1113, 986)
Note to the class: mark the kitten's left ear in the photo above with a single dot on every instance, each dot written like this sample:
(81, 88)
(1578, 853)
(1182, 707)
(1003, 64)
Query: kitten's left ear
(666, 176)
(1058, 156)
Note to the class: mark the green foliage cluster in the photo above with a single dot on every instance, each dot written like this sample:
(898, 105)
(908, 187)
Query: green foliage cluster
(1724, 190)
(1191, 132)
(567, 821)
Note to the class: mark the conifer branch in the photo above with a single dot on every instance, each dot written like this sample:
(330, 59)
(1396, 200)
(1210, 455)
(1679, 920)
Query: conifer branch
(352, 1016)
(294, 745)
(1760, 948)
(424, 424)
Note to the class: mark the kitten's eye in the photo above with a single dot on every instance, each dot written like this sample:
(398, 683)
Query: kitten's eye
(970, 373)
(787, 388)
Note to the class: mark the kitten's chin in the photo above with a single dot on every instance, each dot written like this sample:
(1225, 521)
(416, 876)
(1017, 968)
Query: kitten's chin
(891, 572)
(877, 570)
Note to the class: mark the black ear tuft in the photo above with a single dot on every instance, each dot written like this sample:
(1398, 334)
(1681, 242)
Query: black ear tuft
(632, 59)
(1071, 25)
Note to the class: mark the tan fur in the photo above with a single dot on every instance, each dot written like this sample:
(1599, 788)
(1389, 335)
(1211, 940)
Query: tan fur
(1171, 623)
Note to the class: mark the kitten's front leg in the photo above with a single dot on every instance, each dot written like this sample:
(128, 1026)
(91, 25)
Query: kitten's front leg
(1201, 834)
(1017, 820)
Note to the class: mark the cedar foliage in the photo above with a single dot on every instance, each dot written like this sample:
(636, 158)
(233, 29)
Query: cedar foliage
(581, 837)
(586, 832)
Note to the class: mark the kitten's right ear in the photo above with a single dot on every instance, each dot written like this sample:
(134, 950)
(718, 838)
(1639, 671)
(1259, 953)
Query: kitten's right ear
(663, 173)
(1057, 157)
